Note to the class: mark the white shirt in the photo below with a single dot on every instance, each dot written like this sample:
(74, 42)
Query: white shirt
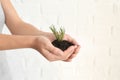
(2, 18)
(4, 68)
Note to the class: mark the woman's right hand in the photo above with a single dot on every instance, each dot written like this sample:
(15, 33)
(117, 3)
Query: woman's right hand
(51, 53)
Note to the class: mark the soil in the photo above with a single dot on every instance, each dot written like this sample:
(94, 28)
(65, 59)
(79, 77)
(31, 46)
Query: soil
(63, 45)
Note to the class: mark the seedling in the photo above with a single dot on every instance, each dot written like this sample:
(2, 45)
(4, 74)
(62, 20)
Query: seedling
(59, 35)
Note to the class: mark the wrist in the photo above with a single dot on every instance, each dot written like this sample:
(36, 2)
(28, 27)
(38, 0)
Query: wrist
(35, 42)
(32, 42)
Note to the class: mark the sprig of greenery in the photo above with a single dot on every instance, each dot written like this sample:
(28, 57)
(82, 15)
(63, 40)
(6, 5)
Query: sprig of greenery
(58, 34)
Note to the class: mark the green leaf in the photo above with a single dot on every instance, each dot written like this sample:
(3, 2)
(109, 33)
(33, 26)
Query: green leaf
(58, 34)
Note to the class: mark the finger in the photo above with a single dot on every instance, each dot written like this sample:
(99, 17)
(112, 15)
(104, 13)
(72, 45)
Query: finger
(68, 60)
(71, 58)
(70, 39)
(77, 49)
(68, 52)
(55, 50)
(73, 55)
(49, 56)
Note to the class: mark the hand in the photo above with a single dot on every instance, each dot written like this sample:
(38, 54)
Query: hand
(51, 53)
(51, 37)
(70, 39)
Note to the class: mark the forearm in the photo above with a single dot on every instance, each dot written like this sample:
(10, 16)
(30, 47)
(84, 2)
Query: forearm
(15, 42)
(14, 22)
(22, 28)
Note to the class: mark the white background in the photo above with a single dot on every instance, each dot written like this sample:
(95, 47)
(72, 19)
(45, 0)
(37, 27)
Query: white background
(95, 24)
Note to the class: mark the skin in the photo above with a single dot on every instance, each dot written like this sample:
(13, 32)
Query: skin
(25, 35)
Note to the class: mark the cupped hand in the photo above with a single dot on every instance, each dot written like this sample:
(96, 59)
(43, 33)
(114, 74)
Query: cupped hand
(44, 46)
(67, 37)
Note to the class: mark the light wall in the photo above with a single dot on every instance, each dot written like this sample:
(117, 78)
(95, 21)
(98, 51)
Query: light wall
(95, 24)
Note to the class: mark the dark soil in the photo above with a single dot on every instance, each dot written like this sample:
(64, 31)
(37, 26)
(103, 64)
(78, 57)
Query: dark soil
(63, 45)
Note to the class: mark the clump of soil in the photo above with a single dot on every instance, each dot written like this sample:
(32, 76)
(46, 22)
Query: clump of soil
(63, 45)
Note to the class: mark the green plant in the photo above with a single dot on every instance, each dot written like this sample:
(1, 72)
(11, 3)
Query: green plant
(58, 34)
(59, 42)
